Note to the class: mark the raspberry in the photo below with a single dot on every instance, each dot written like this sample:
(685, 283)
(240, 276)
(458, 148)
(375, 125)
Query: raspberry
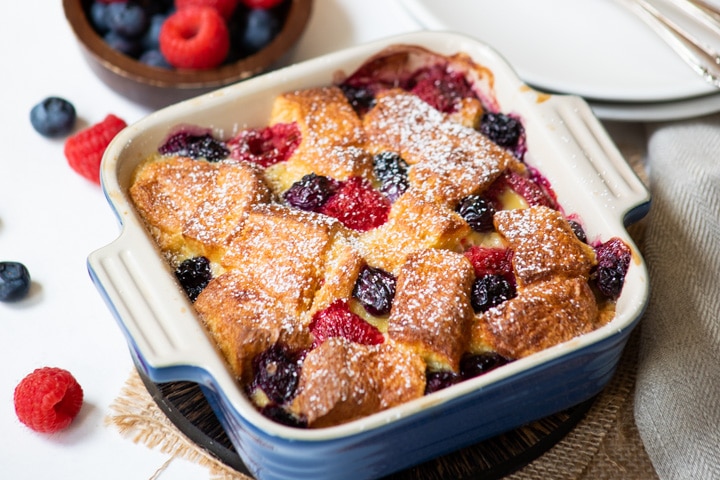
(262, 3)
(224, 7)
(48, 399)
(265, 146)
(195, 37)
(490, 261)
(531, 189)
(357, 205)
(85, 149)
(338, 321)
(441, 89)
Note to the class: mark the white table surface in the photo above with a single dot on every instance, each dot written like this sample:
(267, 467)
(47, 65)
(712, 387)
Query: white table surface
(51, 219)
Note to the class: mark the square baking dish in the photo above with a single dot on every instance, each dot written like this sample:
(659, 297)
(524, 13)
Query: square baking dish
(565, 142)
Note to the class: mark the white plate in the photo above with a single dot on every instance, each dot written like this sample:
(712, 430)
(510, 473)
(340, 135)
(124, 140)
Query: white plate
(591, 48)
(660, 111)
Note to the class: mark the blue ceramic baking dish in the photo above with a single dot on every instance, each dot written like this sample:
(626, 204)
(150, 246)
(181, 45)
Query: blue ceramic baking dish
(565, 142)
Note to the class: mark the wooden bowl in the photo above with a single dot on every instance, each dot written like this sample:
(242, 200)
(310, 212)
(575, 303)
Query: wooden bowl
(157, 87)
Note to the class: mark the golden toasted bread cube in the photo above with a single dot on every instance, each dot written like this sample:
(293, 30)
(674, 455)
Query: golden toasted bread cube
(414, 224)
(542, 315)
(245, 319)
(342, 267)
(220, 216)
(544, 244)
(341, 381)
(167, 191)
(285, 249)
(431, 312)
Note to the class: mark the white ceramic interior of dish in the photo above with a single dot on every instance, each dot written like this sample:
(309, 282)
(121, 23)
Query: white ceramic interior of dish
(565, 142)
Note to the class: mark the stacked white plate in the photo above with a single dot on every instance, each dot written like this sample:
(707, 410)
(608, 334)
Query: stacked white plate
(592, 48)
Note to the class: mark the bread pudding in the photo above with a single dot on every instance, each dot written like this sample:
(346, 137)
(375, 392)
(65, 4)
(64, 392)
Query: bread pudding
(374, 240)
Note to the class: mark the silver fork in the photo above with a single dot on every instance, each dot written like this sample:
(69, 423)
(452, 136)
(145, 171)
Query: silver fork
(700, 56)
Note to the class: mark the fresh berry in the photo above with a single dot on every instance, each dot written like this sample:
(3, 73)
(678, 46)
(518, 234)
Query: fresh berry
(262, 3)
(375, 290)
(84, 150)
(477, 212)
(357, 205)
(277, 373)
(532, 192)
(48, 399)
(261, 26)
(154, 58)
(475, 365)
(502, 129)
(441, 88)
(224, 7)
(53, 117)
(578, 230)
(195, 145)
(338, 321)
(97, 17)
(131, 47)
(151, 39)
(311, 192)
(490, 291)
(265, 146)
(613, 261)
(491, 261)
(361, 99)
(440, 379)
(392, 172)
(127, 19)
(195, 37)
(282, 416)
(194, 274)
(14, 281)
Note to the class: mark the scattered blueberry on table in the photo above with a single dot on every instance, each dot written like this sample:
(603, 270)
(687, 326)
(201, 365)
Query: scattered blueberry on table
(14, 281)
(53, 117)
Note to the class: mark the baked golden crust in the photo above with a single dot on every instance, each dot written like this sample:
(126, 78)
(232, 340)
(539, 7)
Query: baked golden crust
(543, 315)
(431, 312)
(342, 381)
(244, 318)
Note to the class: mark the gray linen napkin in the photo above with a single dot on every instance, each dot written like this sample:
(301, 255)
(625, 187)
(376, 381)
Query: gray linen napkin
(677, 397)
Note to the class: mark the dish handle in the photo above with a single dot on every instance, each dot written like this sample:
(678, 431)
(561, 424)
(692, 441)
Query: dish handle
(154, 313)
(603, 171)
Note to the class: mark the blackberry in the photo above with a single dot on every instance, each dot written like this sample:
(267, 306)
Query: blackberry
(277, 373)
(194, 274)
(475, 365)
(310, 192)
(14, 281)
(282, 416)
(53, 117)
(613, 261)
(501, 129)
(361, 99)
(489, 291)
(578, 230)
(392, 172)
(440, 379)
(375, 290)
(477, 212)
(195, 146)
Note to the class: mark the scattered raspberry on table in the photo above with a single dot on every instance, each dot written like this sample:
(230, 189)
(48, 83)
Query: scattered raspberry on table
(84, 150)
(48, 399)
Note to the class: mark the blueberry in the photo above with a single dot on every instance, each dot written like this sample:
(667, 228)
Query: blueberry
(437, 380)
(97, 17)
(53, 117)
(489, 291)
(282, 416)
(277, 373)
(578, 230)
(151, 39)
(195, 146)
(392, 172)
(477, 212)
(475, 365)
(14, 281)
(260, 28)
(375, 290)
(127, 19)
(501, 129)
(310, 192)
(154, 58)
(361, 99)
(128, 46)
(194, 274)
